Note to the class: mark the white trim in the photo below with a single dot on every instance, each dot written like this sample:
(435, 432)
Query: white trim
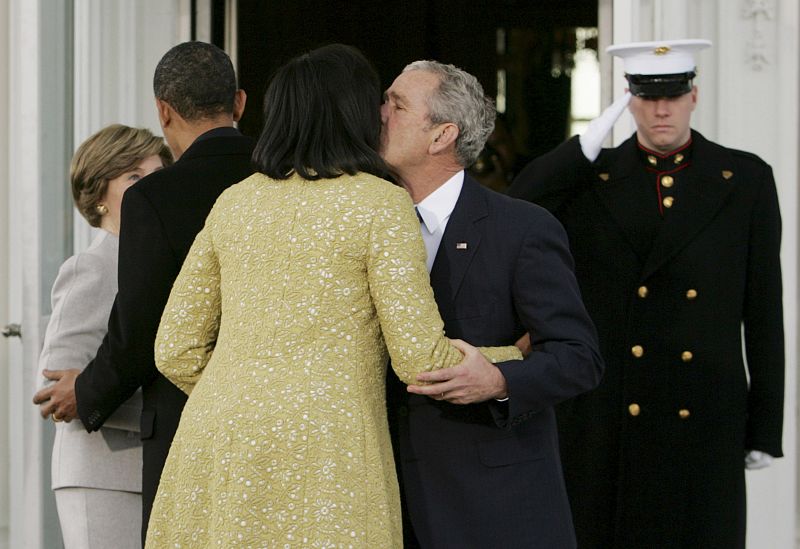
(87, 78)
(183, 20)
(625, 16)
(6, 345)
(26, 518)
(232, 32)
(203, 21)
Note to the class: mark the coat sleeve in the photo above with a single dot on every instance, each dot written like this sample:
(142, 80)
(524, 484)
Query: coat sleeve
(400, 288)
(124, 361)
(566, 359)
(763, 323)
(190, 324)
(79, 315)
(552, 178)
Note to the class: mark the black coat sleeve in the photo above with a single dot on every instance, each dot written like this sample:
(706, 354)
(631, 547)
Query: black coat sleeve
(566, 360)
(554, 177)
(763, 323)
(124, 362)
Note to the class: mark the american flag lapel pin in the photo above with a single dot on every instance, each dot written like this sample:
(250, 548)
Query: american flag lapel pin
(461, 245)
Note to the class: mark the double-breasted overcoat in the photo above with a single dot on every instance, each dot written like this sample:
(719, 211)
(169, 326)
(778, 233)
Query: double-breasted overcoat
(677, 257)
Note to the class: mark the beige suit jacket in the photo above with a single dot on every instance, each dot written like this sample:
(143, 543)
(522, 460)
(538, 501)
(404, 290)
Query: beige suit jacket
(82, 297)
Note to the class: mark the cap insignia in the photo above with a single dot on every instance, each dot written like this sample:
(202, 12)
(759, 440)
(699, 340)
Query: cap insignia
(661, 50)
(727, 174)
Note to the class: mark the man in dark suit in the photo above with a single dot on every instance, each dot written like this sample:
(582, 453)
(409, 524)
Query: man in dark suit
(198, 102)
(477, 447)
(677, 247)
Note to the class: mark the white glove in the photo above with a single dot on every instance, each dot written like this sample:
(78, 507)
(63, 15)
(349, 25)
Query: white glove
(599, 128)
(755, 459)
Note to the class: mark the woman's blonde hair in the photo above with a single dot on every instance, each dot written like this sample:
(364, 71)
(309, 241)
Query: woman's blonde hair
(109, 153)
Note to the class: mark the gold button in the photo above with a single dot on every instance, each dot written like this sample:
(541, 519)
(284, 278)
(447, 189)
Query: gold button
(667, 181)
(691, 294)
(668, 202)
(684, 413)
(642, 291)
(652, 160)
(678, 158)
(637, 351)
(634, 409)
(687, 356)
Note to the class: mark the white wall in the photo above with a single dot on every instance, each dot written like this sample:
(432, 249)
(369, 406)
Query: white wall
(748, 100)
(117, 46)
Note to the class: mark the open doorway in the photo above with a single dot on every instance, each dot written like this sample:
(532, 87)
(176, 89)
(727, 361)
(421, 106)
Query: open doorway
(534, 58)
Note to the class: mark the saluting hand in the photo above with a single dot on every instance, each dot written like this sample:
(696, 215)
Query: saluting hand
(598, 129)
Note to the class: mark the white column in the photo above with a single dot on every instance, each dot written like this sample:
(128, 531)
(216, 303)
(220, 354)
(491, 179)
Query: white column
(32, 40)
(758, 112)
(118, 44)
(232, 31)
(5, 272)
(625, 29)
(202, 17)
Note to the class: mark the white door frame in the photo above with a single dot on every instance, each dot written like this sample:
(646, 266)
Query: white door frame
(38, 44)
(37, 64)
(5, 272)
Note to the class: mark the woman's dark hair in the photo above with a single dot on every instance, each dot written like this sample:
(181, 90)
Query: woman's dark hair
(322, 117)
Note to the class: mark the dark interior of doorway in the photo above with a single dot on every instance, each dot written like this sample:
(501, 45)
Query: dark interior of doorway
(530, 41)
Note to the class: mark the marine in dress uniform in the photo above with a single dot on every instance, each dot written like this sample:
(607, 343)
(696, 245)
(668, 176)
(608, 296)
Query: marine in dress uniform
(676, 241)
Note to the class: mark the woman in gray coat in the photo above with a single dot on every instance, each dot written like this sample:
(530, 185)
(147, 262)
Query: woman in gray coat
(97, 476)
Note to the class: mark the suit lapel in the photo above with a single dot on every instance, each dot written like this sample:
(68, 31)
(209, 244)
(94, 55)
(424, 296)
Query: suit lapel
(460, 242)
(696, 203)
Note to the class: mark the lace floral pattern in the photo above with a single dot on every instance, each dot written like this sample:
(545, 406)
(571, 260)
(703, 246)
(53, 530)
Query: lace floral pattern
(280, 325)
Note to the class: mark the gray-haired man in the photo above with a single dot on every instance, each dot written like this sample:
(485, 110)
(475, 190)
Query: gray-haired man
(477, 447)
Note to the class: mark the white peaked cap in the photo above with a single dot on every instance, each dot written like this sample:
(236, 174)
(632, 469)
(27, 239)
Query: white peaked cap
(662, 57)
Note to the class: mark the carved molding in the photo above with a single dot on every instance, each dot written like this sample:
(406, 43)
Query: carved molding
(760, 12)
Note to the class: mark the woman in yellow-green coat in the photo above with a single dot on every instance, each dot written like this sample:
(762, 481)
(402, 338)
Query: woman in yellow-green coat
(306, 279)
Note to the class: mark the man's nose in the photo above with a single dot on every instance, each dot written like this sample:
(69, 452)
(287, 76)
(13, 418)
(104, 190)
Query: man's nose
(384, 112)
(662, 107)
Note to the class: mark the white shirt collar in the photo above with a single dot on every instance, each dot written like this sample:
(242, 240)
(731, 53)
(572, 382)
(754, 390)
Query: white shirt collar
(435, 209)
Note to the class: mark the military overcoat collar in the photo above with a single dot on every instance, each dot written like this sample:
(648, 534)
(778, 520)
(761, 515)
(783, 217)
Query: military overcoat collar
(709, 181)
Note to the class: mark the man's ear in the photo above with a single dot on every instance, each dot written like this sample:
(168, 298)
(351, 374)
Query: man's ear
(164, 112)
(239, 101)
(445, 137)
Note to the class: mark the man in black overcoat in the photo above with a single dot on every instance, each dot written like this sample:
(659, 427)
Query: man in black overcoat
(198, 102)
(477, 448)
(677, 247)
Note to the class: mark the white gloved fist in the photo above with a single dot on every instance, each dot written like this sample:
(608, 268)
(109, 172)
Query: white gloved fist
(755, 459)
(599, 128)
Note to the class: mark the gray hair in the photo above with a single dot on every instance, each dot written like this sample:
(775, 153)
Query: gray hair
(460, 100)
